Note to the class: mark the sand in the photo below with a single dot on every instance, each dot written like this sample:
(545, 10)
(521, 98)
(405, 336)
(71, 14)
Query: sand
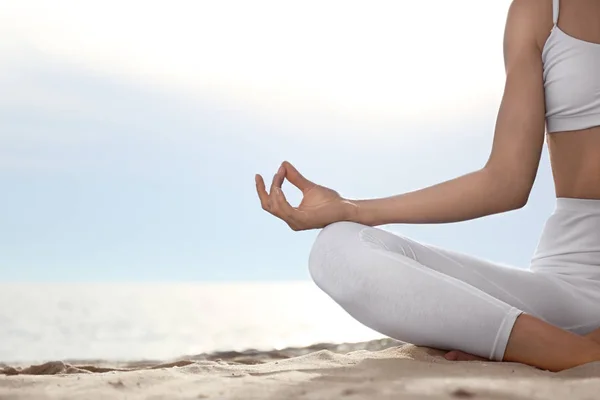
(382, 369)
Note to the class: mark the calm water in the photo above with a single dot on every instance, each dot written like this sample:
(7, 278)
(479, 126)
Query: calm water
(148, 321)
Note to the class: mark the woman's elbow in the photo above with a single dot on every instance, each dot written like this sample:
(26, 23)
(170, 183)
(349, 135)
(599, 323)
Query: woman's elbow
(520, 201)
(517, 196)
(512, 190)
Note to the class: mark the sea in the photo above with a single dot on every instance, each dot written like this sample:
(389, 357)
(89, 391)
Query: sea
(161, 321)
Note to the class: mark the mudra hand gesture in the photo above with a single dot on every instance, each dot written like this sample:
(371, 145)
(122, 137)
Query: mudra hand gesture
(320, 206)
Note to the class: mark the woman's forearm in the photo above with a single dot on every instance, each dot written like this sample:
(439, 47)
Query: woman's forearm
(467, 197)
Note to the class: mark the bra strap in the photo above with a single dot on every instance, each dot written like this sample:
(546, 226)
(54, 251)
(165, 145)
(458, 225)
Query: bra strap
(555, 10)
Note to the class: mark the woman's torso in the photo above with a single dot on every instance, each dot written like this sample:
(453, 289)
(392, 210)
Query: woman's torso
(574, 153)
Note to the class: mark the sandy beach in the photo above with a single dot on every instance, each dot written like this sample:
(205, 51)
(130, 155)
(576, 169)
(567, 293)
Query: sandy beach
(381, 369)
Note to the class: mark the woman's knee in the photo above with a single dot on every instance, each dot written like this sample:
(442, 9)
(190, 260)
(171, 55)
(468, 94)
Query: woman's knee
(332, 251)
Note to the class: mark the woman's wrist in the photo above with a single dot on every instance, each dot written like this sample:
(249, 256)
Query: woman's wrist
(374, 212)
(352, 211)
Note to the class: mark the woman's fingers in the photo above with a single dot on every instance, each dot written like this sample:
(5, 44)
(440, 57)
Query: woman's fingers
(275, 202)
(296, 178)
(262, 192)
(277, 181)
(275, 184)
(284, 210)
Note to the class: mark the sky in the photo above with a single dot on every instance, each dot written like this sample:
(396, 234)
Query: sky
(130, 131)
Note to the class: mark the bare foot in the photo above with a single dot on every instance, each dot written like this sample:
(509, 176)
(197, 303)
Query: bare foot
(456, 355)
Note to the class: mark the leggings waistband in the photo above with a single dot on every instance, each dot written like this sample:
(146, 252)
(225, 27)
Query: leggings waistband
(570, 240)
(577, 204)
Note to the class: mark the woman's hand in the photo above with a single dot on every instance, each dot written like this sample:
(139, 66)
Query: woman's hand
(320, 206)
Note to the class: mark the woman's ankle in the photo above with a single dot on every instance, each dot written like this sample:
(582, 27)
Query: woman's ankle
(539, 344)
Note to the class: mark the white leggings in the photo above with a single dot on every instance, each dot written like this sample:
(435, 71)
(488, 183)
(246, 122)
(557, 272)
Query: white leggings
(425, 295)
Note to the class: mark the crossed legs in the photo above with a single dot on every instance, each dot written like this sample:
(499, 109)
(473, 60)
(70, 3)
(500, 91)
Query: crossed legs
(433, 297)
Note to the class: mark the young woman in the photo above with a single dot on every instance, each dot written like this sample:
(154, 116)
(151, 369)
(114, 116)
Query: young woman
(545, 316)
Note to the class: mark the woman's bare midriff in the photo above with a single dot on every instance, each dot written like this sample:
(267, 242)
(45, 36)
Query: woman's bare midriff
(575, 158)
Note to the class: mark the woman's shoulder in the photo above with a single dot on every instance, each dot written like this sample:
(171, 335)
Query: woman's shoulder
(531, 17)
(533, 7)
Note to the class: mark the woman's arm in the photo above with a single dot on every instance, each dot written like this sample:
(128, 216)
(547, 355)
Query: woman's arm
(505, 182)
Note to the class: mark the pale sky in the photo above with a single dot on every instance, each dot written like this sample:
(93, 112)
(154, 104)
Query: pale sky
(387, 59)
(130, 131)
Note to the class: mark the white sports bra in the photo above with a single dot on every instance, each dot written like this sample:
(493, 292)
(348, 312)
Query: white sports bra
(571, 80)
